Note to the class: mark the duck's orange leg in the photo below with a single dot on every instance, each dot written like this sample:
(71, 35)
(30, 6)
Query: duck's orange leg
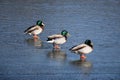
(82, 57)
(56, 46)
(35, 37)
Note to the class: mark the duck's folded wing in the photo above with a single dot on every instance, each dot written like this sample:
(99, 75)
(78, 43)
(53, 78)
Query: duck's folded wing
(55, 36)
(30, 29)
(78, 47)
(52, 38)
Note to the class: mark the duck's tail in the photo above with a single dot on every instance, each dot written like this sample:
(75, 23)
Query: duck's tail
(50, 40)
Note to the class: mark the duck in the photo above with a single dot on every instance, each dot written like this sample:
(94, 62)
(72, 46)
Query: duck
(58, 39)
(35, 30)
(83, 49)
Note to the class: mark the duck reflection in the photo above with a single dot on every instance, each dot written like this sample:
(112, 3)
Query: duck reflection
(57, 55)
(85, 66)
(37, 43)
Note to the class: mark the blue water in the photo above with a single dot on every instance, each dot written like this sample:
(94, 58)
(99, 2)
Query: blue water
(23, 59)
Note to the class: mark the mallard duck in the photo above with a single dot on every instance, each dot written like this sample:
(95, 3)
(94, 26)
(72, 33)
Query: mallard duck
(58, 39)
(83, 49)
(35, 29)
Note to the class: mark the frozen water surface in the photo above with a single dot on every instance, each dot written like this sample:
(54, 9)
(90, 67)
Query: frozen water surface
(23, 59)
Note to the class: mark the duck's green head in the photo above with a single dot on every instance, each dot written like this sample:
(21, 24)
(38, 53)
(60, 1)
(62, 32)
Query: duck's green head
(88, 42)
(65, 33)
(39, 22)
